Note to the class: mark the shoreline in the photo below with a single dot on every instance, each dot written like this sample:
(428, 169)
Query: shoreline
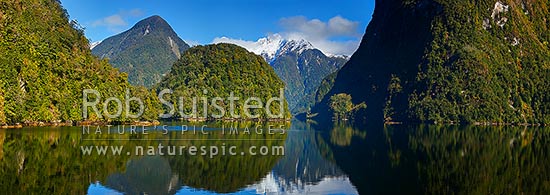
(137, 123)
(493, 124)
(158, 122)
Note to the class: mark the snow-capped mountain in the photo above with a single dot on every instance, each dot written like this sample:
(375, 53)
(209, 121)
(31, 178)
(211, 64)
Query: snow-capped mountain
(267, 47)
(272, 46)
(297, 46)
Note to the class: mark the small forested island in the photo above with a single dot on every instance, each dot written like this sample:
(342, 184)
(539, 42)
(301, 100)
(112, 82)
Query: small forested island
(224, 71)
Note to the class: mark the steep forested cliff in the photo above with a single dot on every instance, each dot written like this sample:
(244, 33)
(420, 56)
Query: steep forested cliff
(451, 61)
(45, 63)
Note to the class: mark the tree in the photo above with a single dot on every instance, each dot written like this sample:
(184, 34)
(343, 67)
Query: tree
(343, 107)
(2, 116)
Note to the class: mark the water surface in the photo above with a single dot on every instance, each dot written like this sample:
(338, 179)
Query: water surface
(318, 159)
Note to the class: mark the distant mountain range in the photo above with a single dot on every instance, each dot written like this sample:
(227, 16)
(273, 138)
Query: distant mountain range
(299, 64)
(146, 51)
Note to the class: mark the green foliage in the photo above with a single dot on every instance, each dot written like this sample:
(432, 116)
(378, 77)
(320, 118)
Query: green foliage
(150, 100)
(394, 89)
(476, 72)
(341, 104)
(312, 99)
(146, 51)
(455, 63)
(324, 88)
(343, 107)
(46, 64)
(219, 70)
(2, 115)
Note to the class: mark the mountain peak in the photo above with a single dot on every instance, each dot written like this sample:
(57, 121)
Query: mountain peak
(155, 19)
(297, 46)
(153, 23)
(145, 52)
(268, 46)
(272, 46)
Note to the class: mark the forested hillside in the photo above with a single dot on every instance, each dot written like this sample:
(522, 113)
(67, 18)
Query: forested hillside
(46, 63)
(220, 70)
(452, 61)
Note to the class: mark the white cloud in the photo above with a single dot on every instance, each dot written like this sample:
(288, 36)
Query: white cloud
(337, 36)
(117, 22)
(242, 43)
(324, 35)
(317, 29)
(110, 21)
(341, 26)
(133, 13)
(191, 42)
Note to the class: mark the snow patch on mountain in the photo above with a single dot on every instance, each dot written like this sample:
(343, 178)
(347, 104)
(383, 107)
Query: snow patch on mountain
(297, 46)
(147, 30)
(270, 47)
(267, 47)
(339, 56)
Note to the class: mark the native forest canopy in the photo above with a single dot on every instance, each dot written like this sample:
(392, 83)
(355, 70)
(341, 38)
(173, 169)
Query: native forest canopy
(46, 63)
(220, 70)
(451, 61)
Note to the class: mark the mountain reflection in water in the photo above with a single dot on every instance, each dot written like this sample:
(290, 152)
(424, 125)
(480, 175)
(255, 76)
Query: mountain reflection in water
(319, 159)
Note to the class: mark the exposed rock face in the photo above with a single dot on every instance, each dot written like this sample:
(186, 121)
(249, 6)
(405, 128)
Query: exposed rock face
(498, 12)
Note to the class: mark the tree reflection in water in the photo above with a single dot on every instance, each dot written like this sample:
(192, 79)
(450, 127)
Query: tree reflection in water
(321, 158)
(444, 159)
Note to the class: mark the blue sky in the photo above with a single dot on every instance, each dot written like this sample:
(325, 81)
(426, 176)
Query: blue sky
(202, 21)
